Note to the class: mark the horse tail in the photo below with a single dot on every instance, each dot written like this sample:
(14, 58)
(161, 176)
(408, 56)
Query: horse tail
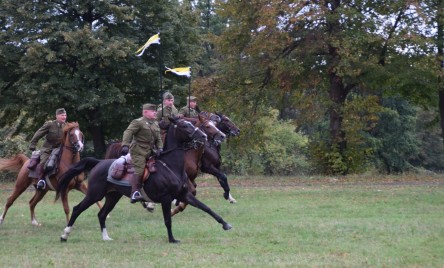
(13, 164)
(86, 164)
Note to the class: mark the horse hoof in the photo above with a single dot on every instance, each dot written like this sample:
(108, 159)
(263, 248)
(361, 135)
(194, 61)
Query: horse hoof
(227, 226)
(174, 241)
(63, 239)
(226, 195)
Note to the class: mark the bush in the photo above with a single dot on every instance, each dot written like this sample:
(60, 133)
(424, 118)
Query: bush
(269, 147)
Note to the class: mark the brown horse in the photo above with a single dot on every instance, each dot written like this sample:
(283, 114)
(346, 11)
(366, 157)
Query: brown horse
(69, 154)
(193, 155)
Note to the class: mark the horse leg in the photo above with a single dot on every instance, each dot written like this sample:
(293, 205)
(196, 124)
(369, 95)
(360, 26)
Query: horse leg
(76, 211)
(181, 207)
(166, 209)
(223, 181)
(33, 203)
(81, 186)
(111, 200)
(192, 200)
(20, 186)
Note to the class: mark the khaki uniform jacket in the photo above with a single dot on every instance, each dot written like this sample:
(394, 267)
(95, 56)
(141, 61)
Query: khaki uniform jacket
(142, 136)
(53, 133)
(167, 112)
(188, 112)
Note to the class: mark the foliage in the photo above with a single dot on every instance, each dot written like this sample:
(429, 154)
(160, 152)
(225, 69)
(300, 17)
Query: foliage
(360, 118)
(276, 150)
(429, 136)
(394, 134)
(310, 59)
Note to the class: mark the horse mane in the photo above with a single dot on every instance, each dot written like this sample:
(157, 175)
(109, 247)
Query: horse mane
(69, 126)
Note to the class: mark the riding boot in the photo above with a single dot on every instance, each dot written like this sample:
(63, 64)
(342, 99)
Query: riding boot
(41, 184)
(135, 189)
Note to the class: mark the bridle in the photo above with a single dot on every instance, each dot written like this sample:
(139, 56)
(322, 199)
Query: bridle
(213, 139)
(194, 143)
(227, 128)
(76, 144)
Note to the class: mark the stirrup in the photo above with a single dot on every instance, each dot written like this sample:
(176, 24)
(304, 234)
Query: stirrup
(41, 185)
(136, 196)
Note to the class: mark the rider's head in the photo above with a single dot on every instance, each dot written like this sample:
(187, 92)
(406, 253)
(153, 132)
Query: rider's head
(61, 115)
(149, 111)
(168, 99)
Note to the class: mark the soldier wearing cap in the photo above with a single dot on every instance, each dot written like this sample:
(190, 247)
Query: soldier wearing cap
(191, 110)
(141, 139)
(53, 133)
(169, 110)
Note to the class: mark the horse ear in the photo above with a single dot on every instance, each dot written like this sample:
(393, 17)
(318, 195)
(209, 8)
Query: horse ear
(173, 119)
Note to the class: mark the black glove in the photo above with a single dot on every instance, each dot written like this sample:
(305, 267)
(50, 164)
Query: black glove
(159, 152)
(32, 147)
(124, 150)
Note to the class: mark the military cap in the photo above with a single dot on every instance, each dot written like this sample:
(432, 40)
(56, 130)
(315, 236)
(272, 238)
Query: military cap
(191, 98)
(60, 111)
(167, 96)
(149, 106)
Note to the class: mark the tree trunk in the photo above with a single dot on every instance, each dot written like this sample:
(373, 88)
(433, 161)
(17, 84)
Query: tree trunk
(440, 58)
(97, 134)
(337, 94)
(98, 140)
(441, 112)
(337, 91)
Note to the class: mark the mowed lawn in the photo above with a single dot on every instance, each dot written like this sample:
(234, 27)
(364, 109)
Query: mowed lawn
(277, 222)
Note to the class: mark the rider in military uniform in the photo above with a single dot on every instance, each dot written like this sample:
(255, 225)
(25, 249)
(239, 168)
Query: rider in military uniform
(191, 110)
(141, 139)
(169, 110)
(53, 133)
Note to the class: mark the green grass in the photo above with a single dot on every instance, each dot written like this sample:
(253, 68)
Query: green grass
(299, 225)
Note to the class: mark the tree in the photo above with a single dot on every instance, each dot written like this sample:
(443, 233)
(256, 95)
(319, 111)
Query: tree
(308, 58)
(80, 55)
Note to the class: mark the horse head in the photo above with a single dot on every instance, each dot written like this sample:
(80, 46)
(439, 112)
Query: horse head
(227, 126)
(185, 131)
(73, 137)
(209, 128)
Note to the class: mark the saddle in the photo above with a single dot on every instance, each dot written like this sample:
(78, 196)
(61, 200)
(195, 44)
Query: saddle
(150, 167)
(123, 170)
(37, 169)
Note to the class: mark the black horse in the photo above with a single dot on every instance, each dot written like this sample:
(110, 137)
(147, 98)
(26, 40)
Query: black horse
(167, 183)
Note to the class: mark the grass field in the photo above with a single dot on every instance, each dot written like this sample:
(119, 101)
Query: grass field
(277, 222)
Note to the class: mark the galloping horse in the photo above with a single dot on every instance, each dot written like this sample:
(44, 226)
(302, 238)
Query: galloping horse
(212, 161)
(69, 154)
(194, 154)
(167, 183)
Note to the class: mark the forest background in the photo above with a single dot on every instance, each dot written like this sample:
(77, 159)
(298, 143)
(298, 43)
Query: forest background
(317, 87)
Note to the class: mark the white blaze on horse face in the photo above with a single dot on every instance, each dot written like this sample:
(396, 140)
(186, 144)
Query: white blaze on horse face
(222, 135)
(79, 140)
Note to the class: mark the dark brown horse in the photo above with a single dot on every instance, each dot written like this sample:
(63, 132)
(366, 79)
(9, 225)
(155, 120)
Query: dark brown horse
(69, 154)
(167, 183)
(212, 160)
